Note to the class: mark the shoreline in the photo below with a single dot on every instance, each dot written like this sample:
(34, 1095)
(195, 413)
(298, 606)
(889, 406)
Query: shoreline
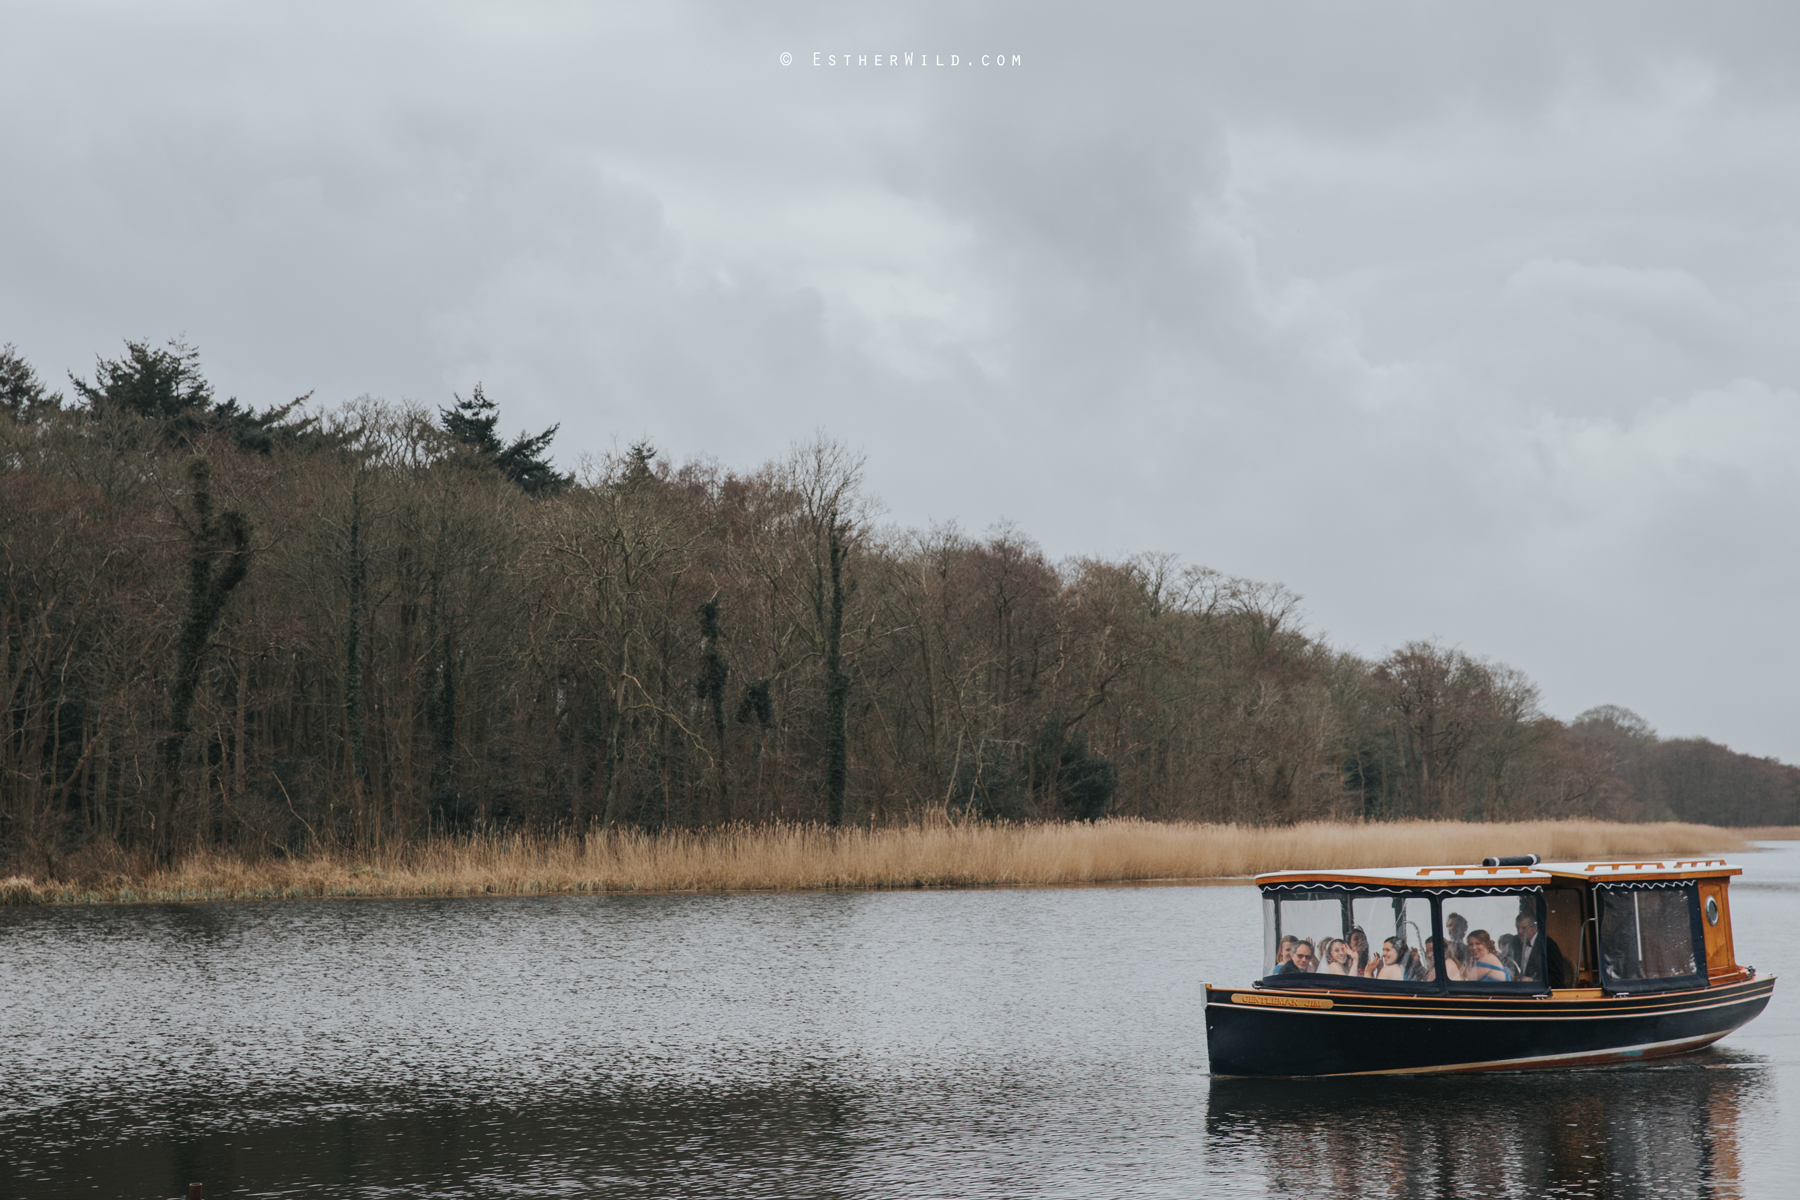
(805, 858)
(132, 898)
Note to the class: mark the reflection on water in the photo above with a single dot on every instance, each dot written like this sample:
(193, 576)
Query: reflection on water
(782, 1140)
(919, 1044)
(1663, 1131)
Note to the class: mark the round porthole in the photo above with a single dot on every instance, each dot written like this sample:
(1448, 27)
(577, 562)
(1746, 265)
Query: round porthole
(1712, 910)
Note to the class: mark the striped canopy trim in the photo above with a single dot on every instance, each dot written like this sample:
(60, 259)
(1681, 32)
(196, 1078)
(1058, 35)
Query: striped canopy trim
(1641, 885)
(1298, 891)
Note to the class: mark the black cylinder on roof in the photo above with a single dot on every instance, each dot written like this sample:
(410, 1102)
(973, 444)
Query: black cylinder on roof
(1512, 860)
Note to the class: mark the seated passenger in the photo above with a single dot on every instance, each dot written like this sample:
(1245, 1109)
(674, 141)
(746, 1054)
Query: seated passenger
(1428, 959)
(1510, 954)
(1359, 951)
(1304, 960)
(1485, 965)
(1456, 961)
(1393, 959)
(1555, 966)
(1457, 926)
(1339, 958)
(1284, 950)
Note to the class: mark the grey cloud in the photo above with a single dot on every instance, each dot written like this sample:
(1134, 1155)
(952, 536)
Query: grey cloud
(1466, 320)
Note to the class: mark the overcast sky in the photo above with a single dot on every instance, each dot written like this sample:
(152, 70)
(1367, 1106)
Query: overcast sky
(1469, 320)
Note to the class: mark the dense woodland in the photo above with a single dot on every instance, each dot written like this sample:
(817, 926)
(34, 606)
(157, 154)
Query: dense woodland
(261, 629)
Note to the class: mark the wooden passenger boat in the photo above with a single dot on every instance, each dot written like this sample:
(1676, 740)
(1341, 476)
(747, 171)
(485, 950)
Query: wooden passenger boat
(1511, 965)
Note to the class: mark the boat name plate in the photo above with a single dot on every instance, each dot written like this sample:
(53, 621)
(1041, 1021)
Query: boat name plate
(1281, 1001)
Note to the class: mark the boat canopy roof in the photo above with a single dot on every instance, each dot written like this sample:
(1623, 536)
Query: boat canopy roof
(1409, 877)
(1454, 876)
(1650, 868)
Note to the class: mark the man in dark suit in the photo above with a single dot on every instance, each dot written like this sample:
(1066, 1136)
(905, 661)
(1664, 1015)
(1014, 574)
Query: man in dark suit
(1554, 967)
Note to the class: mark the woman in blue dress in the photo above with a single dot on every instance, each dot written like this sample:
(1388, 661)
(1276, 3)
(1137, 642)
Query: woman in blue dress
(1485, 964)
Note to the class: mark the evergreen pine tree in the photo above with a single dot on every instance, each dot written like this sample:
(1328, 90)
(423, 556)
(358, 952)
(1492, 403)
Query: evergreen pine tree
(473, 423)
(22, 394)
(165, 385)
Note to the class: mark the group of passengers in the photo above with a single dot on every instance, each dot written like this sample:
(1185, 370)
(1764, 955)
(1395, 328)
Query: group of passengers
(1348, 956)
(1476, 956)
(1468, 955)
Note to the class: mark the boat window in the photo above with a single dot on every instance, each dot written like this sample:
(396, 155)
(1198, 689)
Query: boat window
(1367, 935)
(1647, 937)
(1388, 937)
(1295, 933)
(1491, 940)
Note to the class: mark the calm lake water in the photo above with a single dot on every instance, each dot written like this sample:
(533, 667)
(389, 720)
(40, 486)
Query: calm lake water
(932, 1044)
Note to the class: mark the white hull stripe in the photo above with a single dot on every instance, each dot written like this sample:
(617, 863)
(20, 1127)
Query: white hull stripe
(1651, 1049)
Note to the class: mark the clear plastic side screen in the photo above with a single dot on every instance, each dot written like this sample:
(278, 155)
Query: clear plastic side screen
(1646, 934)
(1306, 920)
(1415, 929)
(1491, 939)
(1271, 934)
(1340, 933)
(1387, 938)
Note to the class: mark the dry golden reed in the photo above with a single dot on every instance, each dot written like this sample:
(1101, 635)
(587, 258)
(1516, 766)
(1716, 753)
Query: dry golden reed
(788, 858)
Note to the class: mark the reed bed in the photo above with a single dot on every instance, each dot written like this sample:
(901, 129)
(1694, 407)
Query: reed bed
(1770, 833)
(793, 858)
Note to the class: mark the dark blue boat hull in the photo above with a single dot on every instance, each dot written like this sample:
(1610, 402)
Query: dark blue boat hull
(1301, 1032)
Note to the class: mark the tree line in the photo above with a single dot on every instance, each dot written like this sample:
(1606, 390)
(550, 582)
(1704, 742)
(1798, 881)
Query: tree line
(260, 629)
